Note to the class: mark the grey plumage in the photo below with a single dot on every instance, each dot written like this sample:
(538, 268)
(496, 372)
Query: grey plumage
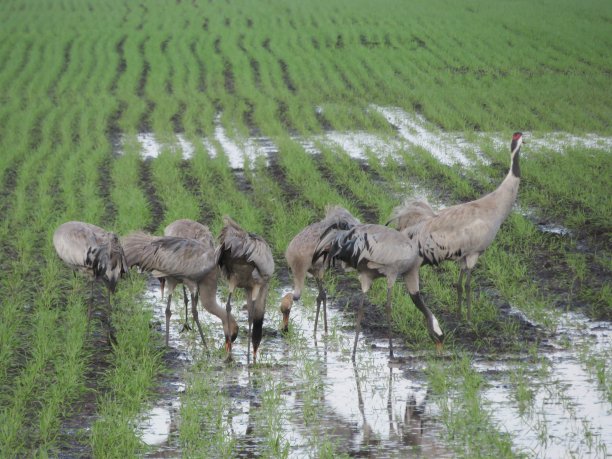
(461, 232)
(185, 260)
(246, 261)
(91, 250)
(299, 255)
(379, 251)
(192, 230)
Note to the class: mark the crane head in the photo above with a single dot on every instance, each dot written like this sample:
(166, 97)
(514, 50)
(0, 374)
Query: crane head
(285, 307)
(517, 140)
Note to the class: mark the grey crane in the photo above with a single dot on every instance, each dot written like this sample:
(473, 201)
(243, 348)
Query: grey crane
(461, 232)
(379, 251)
(185, 260)
(188, 229)
(93, 251)
(299, 258)
(245, 259)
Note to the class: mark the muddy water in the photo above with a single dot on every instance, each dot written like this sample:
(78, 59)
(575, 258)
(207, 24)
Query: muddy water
(379, 409)
(568, 414)
(367, 409)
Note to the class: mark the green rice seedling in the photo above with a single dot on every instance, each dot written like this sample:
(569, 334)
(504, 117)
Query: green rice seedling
(129, 200)
(522, 390)
(301, 171)
(468, 424)
(167, 176)
(134, 366)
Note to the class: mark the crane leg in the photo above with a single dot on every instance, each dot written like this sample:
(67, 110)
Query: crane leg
(358, 325)
(321, 299)
(226, 324)
(186, 324)
(250, 337)
(388, 309)
(468, 293)
(459, 291)
(90, 306)
(162, 285)
(168, 314)
(194, 312)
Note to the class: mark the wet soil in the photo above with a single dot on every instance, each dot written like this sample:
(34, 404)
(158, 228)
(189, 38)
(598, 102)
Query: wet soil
(378, 407)
(157, 210)
(76, 425)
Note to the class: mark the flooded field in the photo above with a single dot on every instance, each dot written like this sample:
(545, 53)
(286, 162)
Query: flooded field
(413, 130)
(377, 407)
(548, 399)
(131, 115)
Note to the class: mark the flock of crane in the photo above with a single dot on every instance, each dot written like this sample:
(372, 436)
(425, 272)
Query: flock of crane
(187, 253)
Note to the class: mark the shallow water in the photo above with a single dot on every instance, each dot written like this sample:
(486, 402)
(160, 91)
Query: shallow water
(450, 148)
(370, 407)
(379, 409)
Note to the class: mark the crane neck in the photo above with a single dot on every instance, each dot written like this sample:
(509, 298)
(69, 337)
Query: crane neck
(515, 166)
(515, 151)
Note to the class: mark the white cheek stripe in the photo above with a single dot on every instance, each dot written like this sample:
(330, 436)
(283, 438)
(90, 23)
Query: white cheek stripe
(436, 326)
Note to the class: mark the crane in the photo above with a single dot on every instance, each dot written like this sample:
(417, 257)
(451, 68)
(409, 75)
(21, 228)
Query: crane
(246, 261)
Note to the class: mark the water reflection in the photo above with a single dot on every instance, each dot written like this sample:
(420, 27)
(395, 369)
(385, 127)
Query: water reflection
(304, 393)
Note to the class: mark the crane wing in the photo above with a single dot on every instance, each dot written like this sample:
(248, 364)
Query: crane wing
(245, 247)
(170, 256)
(446, 241)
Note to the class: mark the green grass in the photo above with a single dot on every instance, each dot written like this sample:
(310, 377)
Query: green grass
(79, 81)
(468, 423)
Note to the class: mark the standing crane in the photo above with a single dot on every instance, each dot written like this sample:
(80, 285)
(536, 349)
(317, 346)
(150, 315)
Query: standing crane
(461, 232)
(91, 250)
(376, 251)
(245, 260)
(185, 260)
(188, 229)
(299, 257)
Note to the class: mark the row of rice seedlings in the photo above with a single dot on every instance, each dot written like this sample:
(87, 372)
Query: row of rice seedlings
(219, 192)
(52, 362)
(203, 430)
(597, 364)
(168, 179)
(310, 391)
(128, 92)
(301, 172)
(349, 174)
(284, 219)
(134, 366)
(469, 427)
(69, 379)
(582, 206)
(127, 197)
(135, 361)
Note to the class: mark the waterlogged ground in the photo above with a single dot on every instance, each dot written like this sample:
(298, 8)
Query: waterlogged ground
(547, 398)
(449, 148)
(378, 408)
(371, 408)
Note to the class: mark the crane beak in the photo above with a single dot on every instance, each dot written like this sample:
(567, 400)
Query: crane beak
(285, 328)
(439, 348)
(228, 346)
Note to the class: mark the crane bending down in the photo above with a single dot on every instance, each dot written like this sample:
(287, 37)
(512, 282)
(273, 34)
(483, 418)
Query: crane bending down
(192, 230)
(185, 260)
(299, 256)
(379, 251)
(461, 232)
(91, 250)
(245, 260)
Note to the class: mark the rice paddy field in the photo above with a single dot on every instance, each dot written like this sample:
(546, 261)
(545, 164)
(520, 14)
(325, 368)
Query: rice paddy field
(130, 115)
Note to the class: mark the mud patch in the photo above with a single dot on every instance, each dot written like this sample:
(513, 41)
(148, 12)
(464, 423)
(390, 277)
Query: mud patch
(157, 210)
